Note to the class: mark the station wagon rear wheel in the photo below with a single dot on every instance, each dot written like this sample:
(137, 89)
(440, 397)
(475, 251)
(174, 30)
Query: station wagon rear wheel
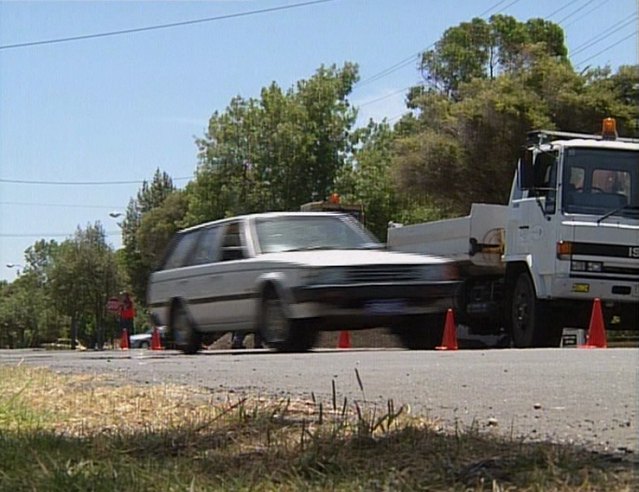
(183, 331)
(282, 333)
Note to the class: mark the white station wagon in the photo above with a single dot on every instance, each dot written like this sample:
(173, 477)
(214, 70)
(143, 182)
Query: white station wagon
(288, 275)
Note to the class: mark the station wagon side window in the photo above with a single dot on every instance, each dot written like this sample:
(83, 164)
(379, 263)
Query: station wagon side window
(206, 249)
(180, 252)
(232, 243)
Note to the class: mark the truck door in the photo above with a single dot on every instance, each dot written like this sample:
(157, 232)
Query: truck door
(531, 231)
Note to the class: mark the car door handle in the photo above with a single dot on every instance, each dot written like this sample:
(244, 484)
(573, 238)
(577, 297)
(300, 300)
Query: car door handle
(524, 227)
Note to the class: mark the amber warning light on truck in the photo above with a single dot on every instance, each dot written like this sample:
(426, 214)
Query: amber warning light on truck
(609, 129)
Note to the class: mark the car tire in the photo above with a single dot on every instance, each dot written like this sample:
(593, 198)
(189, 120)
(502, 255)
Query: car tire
(532, 324)
(421, 332)
(184, 333)
(282, 333)
(144, 345)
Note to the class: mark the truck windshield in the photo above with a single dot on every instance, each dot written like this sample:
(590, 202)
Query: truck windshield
(600, 181)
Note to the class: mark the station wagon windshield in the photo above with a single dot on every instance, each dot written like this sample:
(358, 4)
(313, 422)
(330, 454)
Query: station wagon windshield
(305, 233)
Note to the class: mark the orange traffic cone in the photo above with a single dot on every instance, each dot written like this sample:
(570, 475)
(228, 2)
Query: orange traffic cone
(156, 341)
(596, 330)
(344, 340)
(449, 340)
(124, 340)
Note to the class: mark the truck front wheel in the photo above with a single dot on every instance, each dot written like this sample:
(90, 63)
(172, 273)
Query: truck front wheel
(531, 322)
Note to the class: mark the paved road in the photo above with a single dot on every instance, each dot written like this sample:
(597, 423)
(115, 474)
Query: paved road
(566, 395)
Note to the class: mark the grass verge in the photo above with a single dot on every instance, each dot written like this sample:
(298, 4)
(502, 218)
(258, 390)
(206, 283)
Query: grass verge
(81, 433)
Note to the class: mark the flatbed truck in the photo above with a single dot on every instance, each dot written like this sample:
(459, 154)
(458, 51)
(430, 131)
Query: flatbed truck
(568, 235)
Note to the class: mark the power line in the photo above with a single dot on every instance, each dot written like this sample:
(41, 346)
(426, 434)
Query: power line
(607, 48)
(601, 36)
(509, 5)
(575, 12)
(161, 26)
(55, 234)
(588, 12)
(562, 8)
(80, 183)
(410, 59)
(491, 8)
(393, 68)
(386, 96)
(61, 205)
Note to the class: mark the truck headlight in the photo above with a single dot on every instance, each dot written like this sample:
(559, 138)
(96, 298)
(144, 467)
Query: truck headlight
(594, 266)
(586, 266)
(578, 266)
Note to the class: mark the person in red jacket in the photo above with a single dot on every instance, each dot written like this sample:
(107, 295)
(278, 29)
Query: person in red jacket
(127, 314)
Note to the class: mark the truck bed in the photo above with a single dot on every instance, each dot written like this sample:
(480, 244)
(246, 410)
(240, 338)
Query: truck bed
(475, 242)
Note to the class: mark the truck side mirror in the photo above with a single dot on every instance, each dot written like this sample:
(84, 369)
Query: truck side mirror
(525, 170)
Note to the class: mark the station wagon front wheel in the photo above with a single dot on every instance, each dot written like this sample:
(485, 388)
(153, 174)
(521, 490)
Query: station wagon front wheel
(280, 332)
(184, 333)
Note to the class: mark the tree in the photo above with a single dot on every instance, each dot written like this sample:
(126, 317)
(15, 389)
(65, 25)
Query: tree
(480, 49)
(275, 152)
(461, 142)
(158, 226)
(83, 277)
(150, 196)
(367, 179)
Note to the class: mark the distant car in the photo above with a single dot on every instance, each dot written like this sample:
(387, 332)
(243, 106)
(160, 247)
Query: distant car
(143, 340)
(289, 275)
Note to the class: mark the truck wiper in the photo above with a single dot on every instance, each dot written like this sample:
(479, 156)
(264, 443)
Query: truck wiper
(616, 210)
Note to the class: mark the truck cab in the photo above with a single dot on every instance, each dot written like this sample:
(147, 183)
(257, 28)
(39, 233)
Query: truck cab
(573, 234)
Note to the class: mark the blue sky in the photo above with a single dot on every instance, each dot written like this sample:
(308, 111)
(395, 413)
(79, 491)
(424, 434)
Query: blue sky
(116, 108)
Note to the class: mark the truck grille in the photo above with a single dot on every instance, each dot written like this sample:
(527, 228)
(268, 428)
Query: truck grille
(633, 272)
(375, 274)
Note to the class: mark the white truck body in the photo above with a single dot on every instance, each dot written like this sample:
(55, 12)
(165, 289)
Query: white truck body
(452, 238)
(569, 234)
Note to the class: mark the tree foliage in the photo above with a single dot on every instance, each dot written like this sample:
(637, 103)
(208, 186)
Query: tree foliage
(461, 142)
(62, 285)
(479, 49)
(139, 259)
(82, 279)
(275, 152)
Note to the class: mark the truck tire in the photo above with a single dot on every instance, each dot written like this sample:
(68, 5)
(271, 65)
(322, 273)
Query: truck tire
(532, 323)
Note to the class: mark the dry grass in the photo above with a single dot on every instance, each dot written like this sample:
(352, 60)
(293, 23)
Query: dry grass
(64, 433)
